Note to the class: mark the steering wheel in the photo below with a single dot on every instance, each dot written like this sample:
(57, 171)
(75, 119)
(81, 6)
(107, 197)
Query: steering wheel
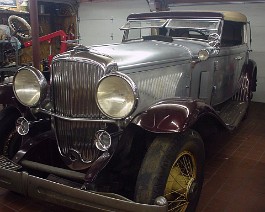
(195, 30)
(19, 26)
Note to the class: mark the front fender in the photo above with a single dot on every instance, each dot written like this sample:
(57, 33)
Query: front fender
(7, 96)
(174, 115)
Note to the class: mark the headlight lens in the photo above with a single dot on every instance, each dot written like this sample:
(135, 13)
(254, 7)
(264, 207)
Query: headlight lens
(116, 96)
(30, 86)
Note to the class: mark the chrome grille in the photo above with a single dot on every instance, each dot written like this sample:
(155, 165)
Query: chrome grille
(73, 95)
(74, 85)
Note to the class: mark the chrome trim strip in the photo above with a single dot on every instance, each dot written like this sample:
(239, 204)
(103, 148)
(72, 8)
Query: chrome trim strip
(75, 119)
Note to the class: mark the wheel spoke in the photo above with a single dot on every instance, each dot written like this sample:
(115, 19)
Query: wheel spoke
(189, 168)
(176, 192)
(178, 203)
(180, 207)
(181, 165)
(183, 187)
(185, 165)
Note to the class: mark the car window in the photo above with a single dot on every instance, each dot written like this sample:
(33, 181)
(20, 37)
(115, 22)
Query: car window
(233, 33)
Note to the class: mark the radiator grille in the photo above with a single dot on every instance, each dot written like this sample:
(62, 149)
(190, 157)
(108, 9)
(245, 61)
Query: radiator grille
(73, 95)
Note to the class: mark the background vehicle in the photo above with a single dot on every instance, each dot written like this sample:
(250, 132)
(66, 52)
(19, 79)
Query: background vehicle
(129, 119)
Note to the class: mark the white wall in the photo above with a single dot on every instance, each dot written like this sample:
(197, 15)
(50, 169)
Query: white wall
(100, 20)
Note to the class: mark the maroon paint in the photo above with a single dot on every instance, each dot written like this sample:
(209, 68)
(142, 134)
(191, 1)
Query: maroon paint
(173, 115)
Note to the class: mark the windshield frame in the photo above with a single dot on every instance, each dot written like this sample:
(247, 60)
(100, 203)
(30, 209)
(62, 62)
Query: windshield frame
(166, 24)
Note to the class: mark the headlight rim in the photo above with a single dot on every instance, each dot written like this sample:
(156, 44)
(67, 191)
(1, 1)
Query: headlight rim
(41, 81)
(133, 87)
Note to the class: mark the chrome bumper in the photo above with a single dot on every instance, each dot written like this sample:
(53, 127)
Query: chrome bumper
(42, 189)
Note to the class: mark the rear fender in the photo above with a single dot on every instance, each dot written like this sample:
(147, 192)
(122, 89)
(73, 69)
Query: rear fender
(174, 115)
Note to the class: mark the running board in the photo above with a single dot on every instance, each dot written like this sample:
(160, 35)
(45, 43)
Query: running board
(233, 112)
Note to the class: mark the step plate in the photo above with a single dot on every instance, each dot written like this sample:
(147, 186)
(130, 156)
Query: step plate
(233, 112)
(6, 163)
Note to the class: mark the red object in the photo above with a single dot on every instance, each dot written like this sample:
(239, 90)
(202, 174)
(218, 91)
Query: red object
(48, 38)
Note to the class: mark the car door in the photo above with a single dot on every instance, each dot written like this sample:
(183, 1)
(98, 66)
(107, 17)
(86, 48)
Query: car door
(229, 63)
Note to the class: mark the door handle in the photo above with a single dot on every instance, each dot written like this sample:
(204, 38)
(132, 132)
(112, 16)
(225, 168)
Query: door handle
(238, 58)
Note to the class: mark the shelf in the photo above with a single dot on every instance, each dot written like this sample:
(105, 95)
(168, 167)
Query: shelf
(13, 12)
(44, 14)
(12, 69)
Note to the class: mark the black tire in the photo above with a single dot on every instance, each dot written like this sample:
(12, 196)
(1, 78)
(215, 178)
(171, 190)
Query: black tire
(163, 161)
(9, 138)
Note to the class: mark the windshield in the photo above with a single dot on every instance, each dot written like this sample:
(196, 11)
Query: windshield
(188, 28)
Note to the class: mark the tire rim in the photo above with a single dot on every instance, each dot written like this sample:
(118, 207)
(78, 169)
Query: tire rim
(181, 187)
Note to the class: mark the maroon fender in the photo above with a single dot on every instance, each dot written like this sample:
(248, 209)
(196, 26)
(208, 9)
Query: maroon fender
(7, 96)
(174, 115)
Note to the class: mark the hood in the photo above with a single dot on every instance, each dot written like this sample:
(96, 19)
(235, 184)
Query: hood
(150, 52)
(136, 54)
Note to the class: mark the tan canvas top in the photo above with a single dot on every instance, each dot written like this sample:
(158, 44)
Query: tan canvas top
(226, 15)
(234, 16)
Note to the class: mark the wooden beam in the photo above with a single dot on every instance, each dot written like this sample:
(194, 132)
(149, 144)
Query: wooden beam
(34, 22)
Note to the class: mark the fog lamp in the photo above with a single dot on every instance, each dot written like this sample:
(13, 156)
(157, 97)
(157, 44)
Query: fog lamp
(22, 126)
(102, 140)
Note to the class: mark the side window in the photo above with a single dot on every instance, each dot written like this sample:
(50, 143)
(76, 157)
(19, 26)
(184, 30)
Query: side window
(233, 33)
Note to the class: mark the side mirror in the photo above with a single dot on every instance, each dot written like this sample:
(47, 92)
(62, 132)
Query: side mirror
(214, 40)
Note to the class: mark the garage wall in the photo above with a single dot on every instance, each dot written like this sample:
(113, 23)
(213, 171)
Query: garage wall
(255, 14)
(100, 20)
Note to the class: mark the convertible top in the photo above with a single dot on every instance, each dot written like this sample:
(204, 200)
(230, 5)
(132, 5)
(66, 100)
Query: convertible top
(225, 15)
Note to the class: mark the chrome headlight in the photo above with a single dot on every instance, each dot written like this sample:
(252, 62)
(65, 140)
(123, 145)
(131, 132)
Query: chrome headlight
(30, 86)
(116, 96)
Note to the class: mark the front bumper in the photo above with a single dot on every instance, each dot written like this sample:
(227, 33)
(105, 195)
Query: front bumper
(43, 189)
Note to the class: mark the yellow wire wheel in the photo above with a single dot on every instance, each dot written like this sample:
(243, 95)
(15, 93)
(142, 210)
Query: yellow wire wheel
(173, 168)
(180, 181)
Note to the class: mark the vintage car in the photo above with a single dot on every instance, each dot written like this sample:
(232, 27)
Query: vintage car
(121, 127)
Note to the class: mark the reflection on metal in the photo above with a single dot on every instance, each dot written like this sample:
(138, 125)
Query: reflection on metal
(22, 126)
(102, 140)
(244, 92)
(161, 201)
(73, 86)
